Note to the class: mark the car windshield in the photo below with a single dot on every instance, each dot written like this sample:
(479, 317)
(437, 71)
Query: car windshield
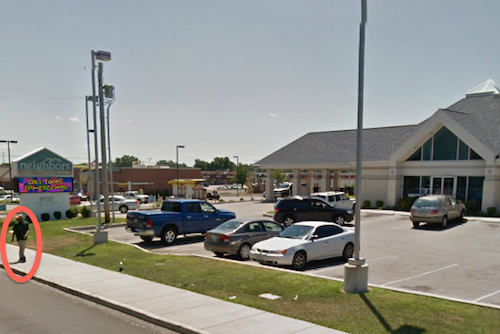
(426, 202)
(296, 232)
(230, 225)
(282, 186)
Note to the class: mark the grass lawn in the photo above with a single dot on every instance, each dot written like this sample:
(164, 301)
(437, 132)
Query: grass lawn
(311, 299)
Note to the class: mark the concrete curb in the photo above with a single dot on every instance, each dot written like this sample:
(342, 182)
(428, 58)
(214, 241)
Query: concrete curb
(132, 311)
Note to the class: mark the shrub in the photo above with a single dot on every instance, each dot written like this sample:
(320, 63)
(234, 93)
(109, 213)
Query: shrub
(472, 207)
(367, 204)
(72, 212)
(85, 211)
(45, 217)
(241, 199)
(379, 204)
(405, 203)
(57, 215)
(491, 211)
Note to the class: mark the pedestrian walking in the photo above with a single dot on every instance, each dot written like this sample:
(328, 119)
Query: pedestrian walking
(21, 230)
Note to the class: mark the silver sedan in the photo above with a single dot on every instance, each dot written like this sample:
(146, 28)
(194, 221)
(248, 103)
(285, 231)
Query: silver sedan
(436, 209)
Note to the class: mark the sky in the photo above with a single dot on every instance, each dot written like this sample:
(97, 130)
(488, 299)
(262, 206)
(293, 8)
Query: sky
(232, 77)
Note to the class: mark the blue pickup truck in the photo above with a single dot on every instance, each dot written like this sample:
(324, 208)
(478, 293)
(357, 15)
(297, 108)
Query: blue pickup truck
(176, 217)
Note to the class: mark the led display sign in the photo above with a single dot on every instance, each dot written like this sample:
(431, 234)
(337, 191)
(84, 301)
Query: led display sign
(45, 184)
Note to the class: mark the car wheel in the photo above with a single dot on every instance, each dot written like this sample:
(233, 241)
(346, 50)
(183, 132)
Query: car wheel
(168, 235)
(299, 260)
(244, 252)
(289, 220)
(416, 224)
(219, 254)
(444, 222)
(339, 219)
(123, 209)
(462, 216)
(348, 251)
(146, 239)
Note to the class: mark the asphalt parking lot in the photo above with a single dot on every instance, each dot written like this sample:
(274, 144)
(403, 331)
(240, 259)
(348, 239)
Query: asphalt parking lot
(461, 261)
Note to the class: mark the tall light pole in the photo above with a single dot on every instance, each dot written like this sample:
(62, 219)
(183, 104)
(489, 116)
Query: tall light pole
(237, 185)
(109, 94)
(177, 164)
(89, 170)
(10, 165)
(99, 236)
(356, 270)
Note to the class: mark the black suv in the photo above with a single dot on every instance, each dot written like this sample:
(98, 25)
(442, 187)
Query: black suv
(291, 210)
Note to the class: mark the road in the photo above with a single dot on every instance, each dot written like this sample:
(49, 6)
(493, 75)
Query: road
(32, 307)
(460, 261)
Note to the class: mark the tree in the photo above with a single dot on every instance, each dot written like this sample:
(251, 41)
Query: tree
(217, 164)
(125, 161)
(241, 175)
(279, 176)
(222, 163)
(201, 164)
(170, 163)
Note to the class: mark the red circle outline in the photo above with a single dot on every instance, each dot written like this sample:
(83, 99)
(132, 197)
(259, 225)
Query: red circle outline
(3, 241)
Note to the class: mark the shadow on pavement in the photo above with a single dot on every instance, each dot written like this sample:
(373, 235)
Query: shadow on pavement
(438, 228)
(181, 240)
(405, 329)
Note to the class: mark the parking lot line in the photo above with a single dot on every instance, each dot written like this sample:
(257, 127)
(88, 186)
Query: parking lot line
(487, 296)
(426, 273)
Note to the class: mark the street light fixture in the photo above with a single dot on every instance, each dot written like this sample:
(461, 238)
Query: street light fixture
(10, 165)
(237, 185)
(177, 164)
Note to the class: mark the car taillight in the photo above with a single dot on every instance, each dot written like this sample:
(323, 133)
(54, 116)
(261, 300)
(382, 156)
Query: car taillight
(413, 211)
(434, 212)
(276, 209)
(225, 238)
(149, 223)
(137, 202)
(207, 235)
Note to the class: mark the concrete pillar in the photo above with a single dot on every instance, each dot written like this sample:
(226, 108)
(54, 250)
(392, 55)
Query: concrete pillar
(296, 182)
(394, 186)
(491, 187)
(324, 183)
(269, 185)
(356, 276)
(310, 181)
(337, 178)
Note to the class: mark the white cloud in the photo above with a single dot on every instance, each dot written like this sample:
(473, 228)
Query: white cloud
(273, 115)
(128, 120)
(58, 118)
(74, 119)
(205, 143)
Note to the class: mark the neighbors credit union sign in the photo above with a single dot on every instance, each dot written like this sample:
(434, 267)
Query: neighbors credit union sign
(42, 162)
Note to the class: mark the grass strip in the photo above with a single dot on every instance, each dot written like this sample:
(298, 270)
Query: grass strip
(307, 298)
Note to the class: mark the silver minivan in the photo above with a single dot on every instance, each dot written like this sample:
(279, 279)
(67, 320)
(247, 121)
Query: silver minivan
(437, 209)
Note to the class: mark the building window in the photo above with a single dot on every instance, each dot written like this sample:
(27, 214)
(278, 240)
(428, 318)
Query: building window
(468, 188)
(444, 145)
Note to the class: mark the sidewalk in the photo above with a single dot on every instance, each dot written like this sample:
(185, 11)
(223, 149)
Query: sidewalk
(177, 309)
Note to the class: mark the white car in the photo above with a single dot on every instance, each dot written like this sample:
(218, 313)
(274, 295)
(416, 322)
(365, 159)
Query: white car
(336, 198)
(9, 198)
(122, 204)
(304, 242)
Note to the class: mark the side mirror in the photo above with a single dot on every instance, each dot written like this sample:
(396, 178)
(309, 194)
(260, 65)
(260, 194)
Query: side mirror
(314, 237)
